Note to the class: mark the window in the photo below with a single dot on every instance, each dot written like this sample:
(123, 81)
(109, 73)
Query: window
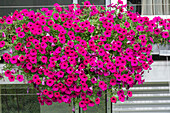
(150, 7)
(33, 2)
(8, 6)
(15, 99)
(56, 108)
(136, 5)
(96, 2)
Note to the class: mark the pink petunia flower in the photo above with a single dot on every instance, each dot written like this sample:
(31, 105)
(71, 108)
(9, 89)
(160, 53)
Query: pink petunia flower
(50, 82)
(2, 44)
(21, 34)
(65, 98)
(70, 70)
(82, 104)
(165, 34)
(35, 77)
(56, 94)
(129, 93)
(11, 78)
(60, 74)
(20, 78)
(13, 59)
(113, 99)
(77, 88)
(84, 87)
(136, 47)
(50, 94)
(9, 21)
(8, 73)
(134, 62)
(97, 100)
(44, 59)
(113, 82)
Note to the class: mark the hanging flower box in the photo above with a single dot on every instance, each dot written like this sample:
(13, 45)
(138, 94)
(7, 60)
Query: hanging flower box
(79, 54)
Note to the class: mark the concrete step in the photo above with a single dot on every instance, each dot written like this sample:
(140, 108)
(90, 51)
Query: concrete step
(162, 88)
(150, 95)
(154, 102)
(135, 109)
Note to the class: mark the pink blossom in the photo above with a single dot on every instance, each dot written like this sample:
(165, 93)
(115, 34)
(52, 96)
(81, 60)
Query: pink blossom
(82, 104)
(13, 59)
(113, 99)
(165, 34)
(9, 21)
(60, 74)
(11, 78)
(20, 78)
(112, 82)
(44, 59)
(35, 77)
(8, 73)
(50, 82)
(2, 44)
(97, 100)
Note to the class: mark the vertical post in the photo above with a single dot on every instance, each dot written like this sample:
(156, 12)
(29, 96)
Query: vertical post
(106, 101)
(77, 108)
(0, 101)
(73, 107)
(109, 105)
(79, 111)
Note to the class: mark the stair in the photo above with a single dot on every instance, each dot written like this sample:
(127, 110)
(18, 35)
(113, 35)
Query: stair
(148, 98)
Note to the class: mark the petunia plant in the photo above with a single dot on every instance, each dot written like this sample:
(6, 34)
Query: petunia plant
(80, 53)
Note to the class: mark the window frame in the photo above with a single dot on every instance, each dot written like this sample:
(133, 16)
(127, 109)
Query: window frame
(107, 2)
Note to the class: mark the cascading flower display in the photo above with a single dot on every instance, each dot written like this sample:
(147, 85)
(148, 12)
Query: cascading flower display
(79, 53)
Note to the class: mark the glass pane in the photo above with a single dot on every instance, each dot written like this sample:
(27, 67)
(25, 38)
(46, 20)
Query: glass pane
(8, 11)
(97, 108)
(150, 7)
(57, 108)
(16, 2)
(136, 5)
(52, 2)
(33, 2)
(20, 104)
(14, 99)
(96, 2)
